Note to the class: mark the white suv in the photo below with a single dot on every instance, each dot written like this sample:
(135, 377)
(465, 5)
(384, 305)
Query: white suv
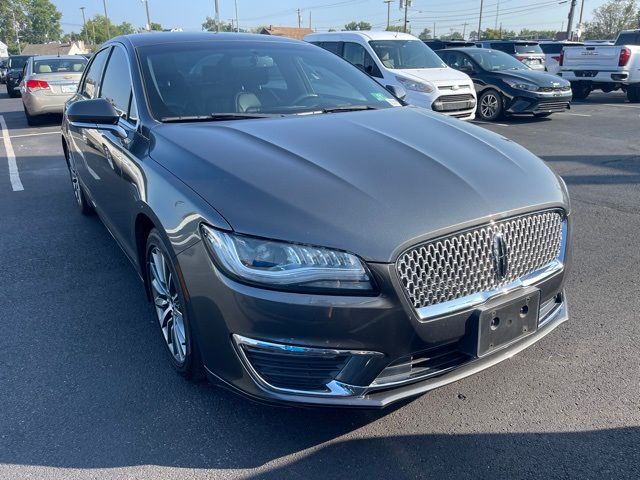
(400, 59)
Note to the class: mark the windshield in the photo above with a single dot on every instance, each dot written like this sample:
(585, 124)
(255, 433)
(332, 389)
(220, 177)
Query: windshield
(528, 48)
(493, 60)
(17, 62)
(406, 54)
(206, 78)
(59, 65)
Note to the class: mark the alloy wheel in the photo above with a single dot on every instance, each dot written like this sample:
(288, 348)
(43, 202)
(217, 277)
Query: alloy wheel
(489, 105)
(167, 305)
(76, 187)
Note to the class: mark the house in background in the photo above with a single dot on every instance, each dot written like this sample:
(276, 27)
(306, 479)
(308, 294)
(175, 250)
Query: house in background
(4, 50)
(291, 32)
(55, 48)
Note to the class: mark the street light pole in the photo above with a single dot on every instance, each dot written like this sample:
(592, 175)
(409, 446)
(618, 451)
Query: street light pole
(217, 19)
(570, 20)
(106, 16)
(84, 22)
(388, 2)
(146, 7)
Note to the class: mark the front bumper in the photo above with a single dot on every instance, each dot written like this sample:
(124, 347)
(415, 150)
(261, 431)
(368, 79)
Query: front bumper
(240, 327)
(446, 102)
(528, 103)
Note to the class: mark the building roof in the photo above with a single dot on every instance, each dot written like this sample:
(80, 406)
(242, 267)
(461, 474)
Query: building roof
(54, 48)
(291, 32)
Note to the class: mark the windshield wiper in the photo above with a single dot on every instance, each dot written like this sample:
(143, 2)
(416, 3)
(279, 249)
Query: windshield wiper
(348, 108)
(216, 117)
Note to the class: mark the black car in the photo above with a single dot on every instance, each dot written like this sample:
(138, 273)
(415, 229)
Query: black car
(304, 236)
(438, 44)
(15, 71)
(506, 86)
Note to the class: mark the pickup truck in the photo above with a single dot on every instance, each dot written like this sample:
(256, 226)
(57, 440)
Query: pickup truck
(604, 67)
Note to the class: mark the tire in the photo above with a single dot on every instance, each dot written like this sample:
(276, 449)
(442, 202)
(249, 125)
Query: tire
(32, 120)
(490, 105)
(78, 192)
(581, 90)
(169, 305)
(633, 93)
(542, 115)
(12, 93)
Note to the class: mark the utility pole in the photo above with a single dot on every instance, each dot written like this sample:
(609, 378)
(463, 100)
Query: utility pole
(580, 21)
(570, 21)
(464, 30)
(15, 27)
(106, 16)
(497, 14)
(235, 2)
(407, 4)
(309, 19)
(480, 20)
(216, 5)
(84, 22)
(434, 30)
(146, 7)
(388, 2)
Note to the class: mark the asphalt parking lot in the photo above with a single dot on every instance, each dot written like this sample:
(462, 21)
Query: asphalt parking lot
(86, 390)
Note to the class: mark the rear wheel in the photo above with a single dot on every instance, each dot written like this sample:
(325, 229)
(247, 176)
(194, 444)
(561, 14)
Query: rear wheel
(633, 93)
(78, 192)
(581, 90)
(171, 310)
(490, 105)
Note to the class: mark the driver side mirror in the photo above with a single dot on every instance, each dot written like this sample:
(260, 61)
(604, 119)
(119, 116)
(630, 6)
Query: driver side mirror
(397, 91)
(96, 113)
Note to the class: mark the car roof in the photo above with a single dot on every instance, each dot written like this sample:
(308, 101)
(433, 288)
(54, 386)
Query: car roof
(156, 38)
(364, 34)
(528, 42)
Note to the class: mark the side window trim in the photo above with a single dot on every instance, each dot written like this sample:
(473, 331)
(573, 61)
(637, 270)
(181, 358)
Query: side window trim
(83, 80)
(132, 96)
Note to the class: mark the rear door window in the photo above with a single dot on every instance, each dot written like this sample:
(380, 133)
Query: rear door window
(503, 47)
(628, 38)
(551, 48)
(528, 48)
(356, 54)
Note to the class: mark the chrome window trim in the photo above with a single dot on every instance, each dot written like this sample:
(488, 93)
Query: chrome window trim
(334, 388)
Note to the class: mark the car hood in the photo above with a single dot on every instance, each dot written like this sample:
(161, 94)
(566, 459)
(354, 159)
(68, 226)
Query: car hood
(439, 76)
(371, 182)
(541, 79)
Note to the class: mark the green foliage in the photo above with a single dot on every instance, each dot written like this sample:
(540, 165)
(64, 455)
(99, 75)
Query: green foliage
(357, 26)
(425, 34)
(397, 28)
(537, 34)
(98, 27)
(37, 21)
(156, 27)
(612, 17)
(210, 26)
(452, 36)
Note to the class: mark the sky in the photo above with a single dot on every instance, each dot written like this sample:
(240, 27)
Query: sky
(449, 15)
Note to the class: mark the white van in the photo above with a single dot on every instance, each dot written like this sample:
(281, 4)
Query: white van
(400, 59)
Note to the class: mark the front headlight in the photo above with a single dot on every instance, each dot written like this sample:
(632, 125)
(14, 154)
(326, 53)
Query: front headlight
(530, 87)
(415, 85)
(287, 266)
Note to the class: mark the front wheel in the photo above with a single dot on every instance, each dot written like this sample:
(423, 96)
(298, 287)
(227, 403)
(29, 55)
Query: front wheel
(171, 309)
(581, 90)
(633, 93)
(490, 106)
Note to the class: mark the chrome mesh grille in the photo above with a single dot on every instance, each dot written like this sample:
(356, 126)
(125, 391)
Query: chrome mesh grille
(462, 264)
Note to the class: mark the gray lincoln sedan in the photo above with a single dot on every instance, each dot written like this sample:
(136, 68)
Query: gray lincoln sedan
(303, 235)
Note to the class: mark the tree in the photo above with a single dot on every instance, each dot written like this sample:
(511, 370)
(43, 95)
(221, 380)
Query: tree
(537, 34)
(37, 21)
(209, 25)
(425, 34)
(357, 26)
(156, 27)
(397, 28)
(452, 36)
(96, 29)
(612, 17)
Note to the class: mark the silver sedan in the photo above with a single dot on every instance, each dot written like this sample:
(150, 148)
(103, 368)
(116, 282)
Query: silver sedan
(49, 81)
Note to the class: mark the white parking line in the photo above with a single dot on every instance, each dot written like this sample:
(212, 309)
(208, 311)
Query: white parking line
(14, 175)
(34, 134)
(480, 122)
(574, 114)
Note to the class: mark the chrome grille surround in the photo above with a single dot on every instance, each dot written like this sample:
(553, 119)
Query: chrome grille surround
(458, 266)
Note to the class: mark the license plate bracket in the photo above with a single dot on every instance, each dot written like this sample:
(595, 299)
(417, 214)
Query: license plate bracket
(503, 320)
